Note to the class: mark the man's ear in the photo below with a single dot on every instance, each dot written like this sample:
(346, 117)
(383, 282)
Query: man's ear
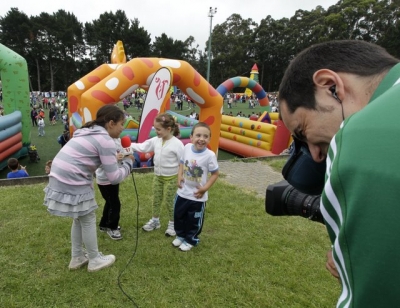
(325, 78)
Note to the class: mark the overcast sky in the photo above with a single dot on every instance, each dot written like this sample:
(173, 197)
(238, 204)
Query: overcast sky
(176, 18)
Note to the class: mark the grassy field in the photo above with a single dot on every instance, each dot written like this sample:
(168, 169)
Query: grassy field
(48, 147)
(246, 258)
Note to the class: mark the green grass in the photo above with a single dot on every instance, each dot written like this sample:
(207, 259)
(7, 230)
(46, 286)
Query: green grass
(246, 258)
(277, 164)
(244, 108)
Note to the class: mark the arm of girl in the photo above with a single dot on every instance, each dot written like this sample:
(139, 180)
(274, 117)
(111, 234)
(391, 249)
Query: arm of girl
(114, 172)
(147, 146)
(181, 180)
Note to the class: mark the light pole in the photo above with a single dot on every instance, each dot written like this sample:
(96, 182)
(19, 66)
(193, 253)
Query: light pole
(211, 13)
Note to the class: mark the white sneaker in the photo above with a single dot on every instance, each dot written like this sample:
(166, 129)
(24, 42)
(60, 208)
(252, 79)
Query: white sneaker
(170, 229)
(177, 242)
(185, 246)
(115, 234)
(101, 261)
(151, 225)
(78, 262)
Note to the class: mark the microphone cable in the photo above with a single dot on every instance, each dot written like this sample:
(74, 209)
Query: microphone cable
(135, 249)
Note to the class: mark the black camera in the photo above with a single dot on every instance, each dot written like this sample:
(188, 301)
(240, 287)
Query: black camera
(283, 199)
(299, 194)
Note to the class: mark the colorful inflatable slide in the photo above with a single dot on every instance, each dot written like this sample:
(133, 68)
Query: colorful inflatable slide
(244, 137)
(15, 125)
(248, 138)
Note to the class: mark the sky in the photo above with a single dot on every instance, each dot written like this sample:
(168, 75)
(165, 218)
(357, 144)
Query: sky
(176, 18)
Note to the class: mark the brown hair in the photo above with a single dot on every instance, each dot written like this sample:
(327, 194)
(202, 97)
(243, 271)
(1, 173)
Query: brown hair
(166, 120)
(13, 163)
(200, 124)
(48, 163)
(106, 114)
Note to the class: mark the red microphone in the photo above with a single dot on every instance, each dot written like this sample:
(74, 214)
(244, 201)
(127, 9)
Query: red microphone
(126, 144)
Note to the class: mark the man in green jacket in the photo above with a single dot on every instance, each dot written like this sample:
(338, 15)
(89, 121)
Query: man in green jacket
(342, 98)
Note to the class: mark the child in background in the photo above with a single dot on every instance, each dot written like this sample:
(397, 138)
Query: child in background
(47, 167)
(167, 152)
(70, 191)
(64, 119)
(190, 202)
(109, 222)
(51, 115)
(41, 126)
(41, 113)
(15, 173)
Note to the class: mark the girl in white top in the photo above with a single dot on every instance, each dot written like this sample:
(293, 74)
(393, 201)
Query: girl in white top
(167, 152)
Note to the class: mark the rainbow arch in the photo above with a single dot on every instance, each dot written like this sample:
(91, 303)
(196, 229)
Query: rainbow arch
(244, 82)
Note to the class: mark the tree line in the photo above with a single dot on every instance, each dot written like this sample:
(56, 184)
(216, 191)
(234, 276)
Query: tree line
(59, 49)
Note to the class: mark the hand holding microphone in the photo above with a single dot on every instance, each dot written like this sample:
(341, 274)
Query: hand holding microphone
(126, 144)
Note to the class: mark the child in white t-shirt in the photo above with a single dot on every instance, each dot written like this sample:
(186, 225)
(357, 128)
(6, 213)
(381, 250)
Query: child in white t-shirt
(193, 182)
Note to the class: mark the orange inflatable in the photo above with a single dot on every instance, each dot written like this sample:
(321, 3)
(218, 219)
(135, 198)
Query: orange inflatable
(110, 83)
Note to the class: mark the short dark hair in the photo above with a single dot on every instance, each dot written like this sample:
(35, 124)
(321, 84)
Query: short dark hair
(346, 56)
(106, 114)
(200, 124)
(13, 163)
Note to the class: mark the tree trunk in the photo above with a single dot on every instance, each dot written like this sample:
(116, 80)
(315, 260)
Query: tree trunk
(38, 75)
(51, 77)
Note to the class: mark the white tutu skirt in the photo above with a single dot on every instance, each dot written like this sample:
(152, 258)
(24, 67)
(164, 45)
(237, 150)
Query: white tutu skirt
(69, 205)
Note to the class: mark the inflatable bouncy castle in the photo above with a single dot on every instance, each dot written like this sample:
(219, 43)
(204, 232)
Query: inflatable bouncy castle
(15, 125)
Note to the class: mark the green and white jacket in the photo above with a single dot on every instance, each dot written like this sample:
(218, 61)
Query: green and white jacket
(361, 200)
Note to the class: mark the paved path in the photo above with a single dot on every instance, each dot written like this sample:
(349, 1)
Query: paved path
(254, 176)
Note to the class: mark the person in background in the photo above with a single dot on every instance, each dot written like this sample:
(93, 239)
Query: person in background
(196, 163)
(47, 167)
(167, 152)
(41, 126)
(51, 115)
(70, 191)
(34, 115)
(17, 170)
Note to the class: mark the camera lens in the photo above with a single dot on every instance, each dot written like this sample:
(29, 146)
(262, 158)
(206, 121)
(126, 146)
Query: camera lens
(283, 199)
(300, 204)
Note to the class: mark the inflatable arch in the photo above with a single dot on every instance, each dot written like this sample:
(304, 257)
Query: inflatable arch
(15, 125)
(110, 83)
(245, 82)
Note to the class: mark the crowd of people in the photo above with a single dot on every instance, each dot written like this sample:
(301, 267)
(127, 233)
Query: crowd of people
(231, 100)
